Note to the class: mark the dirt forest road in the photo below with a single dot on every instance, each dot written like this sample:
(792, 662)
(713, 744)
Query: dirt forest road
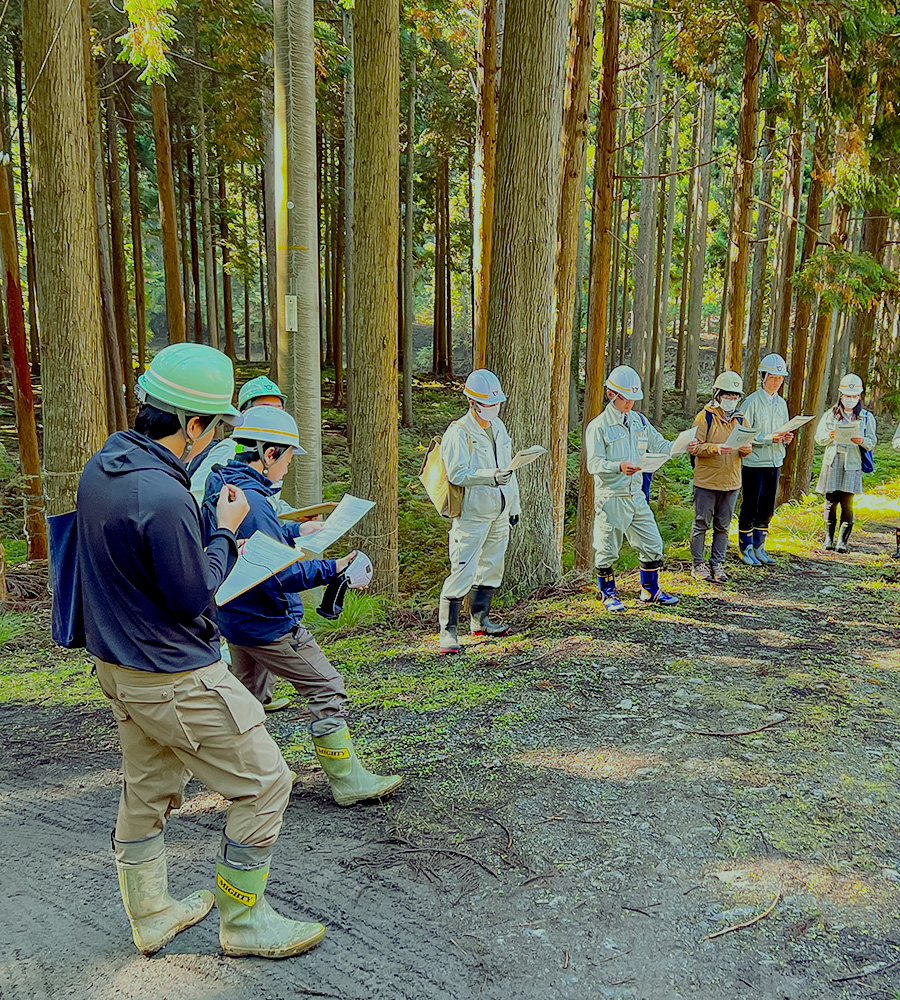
(654, 780)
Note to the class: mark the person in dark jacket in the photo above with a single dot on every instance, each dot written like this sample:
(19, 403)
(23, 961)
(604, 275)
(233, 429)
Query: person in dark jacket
(147, 584)
(264, 626)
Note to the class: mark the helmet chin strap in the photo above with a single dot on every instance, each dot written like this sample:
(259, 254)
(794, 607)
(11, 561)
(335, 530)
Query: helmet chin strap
(182, 419)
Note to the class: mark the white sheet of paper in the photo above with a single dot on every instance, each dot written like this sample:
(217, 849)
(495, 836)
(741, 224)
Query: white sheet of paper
(261, 556)
(347, 513)
(680, 444)
(651, 461)
(844, 432)
(741, 436)
(793, 424)
(526, 457)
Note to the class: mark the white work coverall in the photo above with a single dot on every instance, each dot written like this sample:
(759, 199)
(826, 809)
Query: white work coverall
(479, 536)
(620, 507)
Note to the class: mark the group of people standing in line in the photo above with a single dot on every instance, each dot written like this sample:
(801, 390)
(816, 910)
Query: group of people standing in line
(477, 450)
(162, 510)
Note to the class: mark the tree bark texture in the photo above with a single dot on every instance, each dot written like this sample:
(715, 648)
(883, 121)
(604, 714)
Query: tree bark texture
(74, 410)
(793, 177)
(349, 189)
(227, 297)
(409, 308)
(134, 209)
(520, 310)
(739, 242)
(490, 23)
(167, 217)
(761, 251)
(374, 464)
(26, 426)
(702, 174)
(206, 223)
(644, 266)
(599, 280)
(28, 222)
(571, 198)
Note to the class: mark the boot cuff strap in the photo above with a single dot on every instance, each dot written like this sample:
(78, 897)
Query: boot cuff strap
(136, 852)
(653, 564)
(244, 857)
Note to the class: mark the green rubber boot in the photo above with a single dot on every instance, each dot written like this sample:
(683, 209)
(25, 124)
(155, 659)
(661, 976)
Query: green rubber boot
(247, 924)
(350, 781)
(155, 916)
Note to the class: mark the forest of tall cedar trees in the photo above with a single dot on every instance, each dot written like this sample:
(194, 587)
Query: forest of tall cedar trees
(362, 198)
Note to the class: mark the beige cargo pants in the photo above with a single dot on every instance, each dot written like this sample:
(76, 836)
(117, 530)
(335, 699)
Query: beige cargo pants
(201, 722)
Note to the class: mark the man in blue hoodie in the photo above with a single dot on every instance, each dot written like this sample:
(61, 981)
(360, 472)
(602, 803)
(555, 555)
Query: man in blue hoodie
(264, 626)
(147, 583)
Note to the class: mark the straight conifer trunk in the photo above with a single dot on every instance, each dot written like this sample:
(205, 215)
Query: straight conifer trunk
(374, 464)
(792, 181)
(761, 252)
(134, 209)
(571, 199)
(520, 317)
(25, 184)
(408, 274)
(168, 222)
(739, 245)
(74, 411)
(599, 281)
(206, 223)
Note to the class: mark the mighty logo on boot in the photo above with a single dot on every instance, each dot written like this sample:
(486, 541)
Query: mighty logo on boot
(247, 898)
(336, 754)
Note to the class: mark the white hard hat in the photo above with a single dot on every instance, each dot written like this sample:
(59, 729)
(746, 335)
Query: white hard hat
(851, 385)
(729, 382)
(267, 425)
(484, 387)
(625, 381)
(773, 364)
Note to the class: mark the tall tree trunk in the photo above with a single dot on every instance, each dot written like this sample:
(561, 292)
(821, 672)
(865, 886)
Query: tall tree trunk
(25, 185)
(408, 272)
(324, 189)
(667, 265)
(799, 378)
(862, 324)
(818, 364)
(184, 253)
(298, 265)
(134, 208)
(167, 217)
(792, 178)
(520, 318)
(644, 263)
(246, 276)
(571, 198)
(117, 241)
(209, 240)
(74, 417)
(761, 251)
(338, 320)
(349, 193)
(598, 283)
(438, 312)
(490, 24)
(195, 243)
(686, 255)
(227, 298)
(374, 463)
(26, 426)
(739, 244)
(113, 358)
(702, 174)
(448, 261)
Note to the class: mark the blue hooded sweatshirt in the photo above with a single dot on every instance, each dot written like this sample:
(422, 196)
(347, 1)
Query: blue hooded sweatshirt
(272, 608)
(147, 582)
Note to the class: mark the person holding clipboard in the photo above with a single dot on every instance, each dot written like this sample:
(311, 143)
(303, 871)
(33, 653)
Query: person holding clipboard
(717, 475)
(848, 433)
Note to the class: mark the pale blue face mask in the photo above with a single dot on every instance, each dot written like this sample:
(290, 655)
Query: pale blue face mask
(489, 413)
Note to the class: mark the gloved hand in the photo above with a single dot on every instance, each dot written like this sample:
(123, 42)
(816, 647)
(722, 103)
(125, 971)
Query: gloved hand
(501, 477)
(513, 520)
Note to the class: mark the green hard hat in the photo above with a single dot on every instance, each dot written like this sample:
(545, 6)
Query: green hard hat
(256, 388)
(190, 379)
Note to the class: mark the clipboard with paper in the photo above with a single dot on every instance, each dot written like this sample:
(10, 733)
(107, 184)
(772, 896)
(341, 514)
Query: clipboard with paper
(741, 436)
(260, 557)
(348, 512)
(844, 433)
(525, 457)
(793, 424)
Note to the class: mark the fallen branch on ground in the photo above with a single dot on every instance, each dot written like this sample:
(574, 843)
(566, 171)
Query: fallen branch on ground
(869, 972)
(742, 732)
(749, 923)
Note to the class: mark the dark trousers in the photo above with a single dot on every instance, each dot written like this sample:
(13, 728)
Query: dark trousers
(832, 502)
(758, 499)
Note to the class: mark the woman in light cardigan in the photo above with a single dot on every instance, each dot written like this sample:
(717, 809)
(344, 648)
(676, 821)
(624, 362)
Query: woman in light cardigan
(841, 476)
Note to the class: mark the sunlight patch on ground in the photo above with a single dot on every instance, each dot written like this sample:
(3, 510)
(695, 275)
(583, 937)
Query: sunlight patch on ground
(605, 763)
(760, 879)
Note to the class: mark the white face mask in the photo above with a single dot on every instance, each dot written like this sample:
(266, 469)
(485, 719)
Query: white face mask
(849, 402)
(488, 413)
(728, 405)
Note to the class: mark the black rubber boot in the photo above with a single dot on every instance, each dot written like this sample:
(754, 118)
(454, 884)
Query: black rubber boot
(829, 537)
(479, 605)
(843, 536)
(896, 554)
(449, 619)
